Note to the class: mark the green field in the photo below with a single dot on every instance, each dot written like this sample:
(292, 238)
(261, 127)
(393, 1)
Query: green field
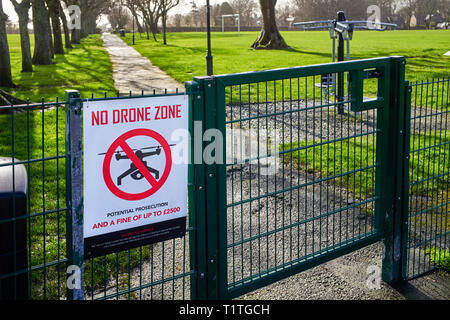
(86, 68)
(184, 55)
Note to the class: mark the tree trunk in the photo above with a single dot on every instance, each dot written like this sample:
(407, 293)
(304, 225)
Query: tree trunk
(22, 11)
(88, 23)
(270, 37)
(42, 38)
(84, 23)
(68, 43)
(50, 37)
(136, 19)
(5, 62)
(76, 36)
(164, 18)
(53, 7)
(153, 27)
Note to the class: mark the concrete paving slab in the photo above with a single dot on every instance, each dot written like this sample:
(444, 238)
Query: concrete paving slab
(133, 72)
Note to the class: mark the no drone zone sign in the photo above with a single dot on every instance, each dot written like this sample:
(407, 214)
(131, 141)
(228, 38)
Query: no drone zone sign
(134, 192)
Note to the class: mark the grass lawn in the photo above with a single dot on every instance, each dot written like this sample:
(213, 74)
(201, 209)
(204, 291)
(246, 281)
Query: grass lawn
(184, 55)
(86, 68)
(440, 257)
(342, 158)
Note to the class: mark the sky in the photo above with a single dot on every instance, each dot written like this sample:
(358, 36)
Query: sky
(182, 8)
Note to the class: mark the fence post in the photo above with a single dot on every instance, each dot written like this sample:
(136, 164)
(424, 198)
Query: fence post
(405, 159)
(212, 192)
(197, 200)
(206, 188)
(395, 174)
(74, 195)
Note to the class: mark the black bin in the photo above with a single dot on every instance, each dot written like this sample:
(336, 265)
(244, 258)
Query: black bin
(13, 231)
(122, 32)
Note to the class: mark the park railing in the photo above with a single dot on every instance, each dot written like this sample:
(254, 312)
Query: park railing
(36, 221)
(428, 230)
(300, 177)
(33, 218)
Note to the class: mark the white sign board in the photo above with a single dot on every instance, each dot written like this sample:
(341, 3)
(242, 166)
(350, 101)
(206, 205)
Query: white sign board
(134, 193)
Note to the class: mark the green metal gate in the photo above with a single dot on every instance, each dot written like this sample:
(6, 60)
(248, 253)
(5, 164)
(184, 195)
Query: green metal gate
(332, 193)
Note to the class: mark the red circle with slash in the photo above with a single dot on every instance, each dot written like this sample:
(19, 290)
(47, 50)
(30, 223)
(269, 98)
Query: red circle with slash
(121, 142)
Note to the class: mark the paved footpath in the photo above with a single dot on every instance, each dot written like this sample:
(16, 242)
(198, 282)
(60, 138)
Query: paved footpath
(133, 72)
(343, 278)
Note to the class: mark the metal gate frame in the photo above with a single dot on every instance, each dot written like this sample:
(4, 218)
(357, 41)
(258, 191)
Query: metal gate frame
(391, 175)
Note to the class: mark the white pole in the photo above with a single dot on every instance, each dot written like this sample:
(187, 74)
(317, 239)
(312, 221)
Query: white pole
(239, 25)
(223, 26)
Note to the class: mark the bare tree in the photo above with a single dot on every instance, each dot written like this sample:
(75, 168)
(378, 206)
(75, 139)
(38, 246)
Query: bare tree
(177, 19)
(270, 37)
(306, 10)
(132, 6)
(246, 10)
(166, 5)
(5, 62)
(388, 9)
(226, 9)
(75, 32)
(407, 11)
(22, 9)
(91, 10)
(445, 10)
(67, 40)
(118, 18)
(151, 12)
(426, 10)
(283, 13)
(53, 8)
(43, 51)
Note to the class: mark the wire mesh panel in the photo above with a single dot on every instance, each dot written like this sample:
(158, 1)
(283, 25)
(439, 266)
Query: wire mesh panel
(429, 175)
(33, 219)
(155, 272)
(300, 177)
(160, 271)
(35, 222)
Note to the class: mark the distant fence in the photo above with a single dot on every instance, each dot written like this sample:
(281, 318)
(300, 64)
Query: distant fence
(428, 240)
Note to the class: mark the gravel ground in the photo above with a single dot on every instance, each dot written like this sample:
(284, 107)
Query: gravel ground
(283, 226)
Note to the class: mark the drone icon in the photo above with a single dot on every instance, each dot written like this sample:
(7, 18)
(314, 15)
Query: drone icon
(133, 171)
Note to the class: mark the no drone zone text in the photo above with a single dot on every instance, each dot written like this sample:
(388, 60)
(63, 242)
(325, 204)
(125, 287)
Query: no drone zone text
(127, 147)
(131, 115)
